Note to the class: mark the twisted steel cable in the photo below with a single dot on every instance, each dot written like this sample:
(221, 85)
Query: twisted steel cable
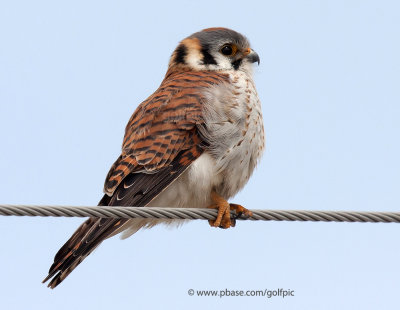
(197, 214)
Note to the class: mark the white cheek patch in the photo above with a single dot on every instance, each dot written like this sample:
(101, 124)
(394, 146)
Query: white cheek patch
(193, 59)
(224, 63)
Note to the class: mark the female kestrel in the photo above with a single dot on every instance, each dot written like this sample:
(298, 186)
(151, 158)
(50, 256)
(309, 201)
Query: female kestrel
(193, 143)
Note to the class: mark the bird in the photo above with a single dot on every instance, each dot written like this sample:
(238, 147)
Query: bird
(193, 143)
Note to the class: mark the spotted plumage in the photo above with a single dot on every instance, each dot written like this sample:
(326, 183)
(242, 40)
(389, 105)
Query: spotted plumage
(193, 143)
(163, 125)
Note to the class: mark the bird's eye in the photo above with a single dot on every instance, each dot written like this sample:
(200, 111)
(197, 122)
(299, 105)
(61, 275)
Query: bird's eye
(229, 50)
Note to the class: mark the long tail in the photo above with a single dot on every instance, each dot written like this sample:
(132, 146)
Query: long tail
(137, 189)
(85, 239)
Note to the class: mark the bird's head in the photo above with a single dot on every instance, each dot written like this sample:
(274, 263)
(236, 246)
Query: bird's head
(214, 49)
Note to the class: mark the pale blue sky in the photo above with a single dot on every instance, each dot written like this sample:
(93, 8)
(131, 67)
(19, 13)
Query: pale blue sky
(71, 74)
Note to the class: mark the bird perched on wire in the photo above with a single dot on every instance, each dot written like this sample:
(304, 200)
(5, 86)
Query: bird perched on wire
(193, 143)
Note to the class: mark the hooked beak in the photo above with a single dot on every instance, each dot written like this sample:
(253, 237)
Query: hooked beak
(252, 56)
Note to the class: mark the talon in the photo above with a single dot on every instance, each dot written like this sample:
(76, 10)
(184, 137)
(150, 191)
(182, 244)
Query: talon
(224, 219)
(240, 211)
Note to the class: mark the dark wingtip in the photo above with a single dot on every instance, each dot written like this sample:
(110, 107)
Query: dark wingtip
(49, 276)
(45, 279)
(56, 279)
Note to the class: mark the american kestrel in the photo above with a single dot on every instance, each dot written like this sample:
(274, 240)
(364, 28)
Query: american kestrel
(193, 143)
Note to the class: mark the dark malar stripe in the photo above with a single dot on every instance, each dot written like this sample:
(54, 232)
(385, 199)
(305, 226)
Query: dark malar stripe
(207, 58)
(236, 64)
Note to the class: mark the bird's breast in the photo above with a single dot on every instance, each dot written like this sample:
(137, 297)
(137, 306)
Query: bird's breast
(234, 130)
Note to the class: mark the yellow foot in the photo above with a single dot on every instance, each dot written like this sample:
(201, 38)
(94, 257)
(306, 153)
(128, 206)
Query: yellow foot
(240, 211)
(224, 219)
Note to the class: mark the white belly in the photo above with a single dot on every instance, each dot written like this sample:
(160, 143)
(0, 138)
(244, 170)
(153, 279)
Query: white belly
(192, 189)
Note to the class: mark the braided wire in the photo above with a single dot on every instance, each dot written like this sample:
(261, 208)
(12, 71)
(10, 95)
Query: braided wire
(197, 214)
